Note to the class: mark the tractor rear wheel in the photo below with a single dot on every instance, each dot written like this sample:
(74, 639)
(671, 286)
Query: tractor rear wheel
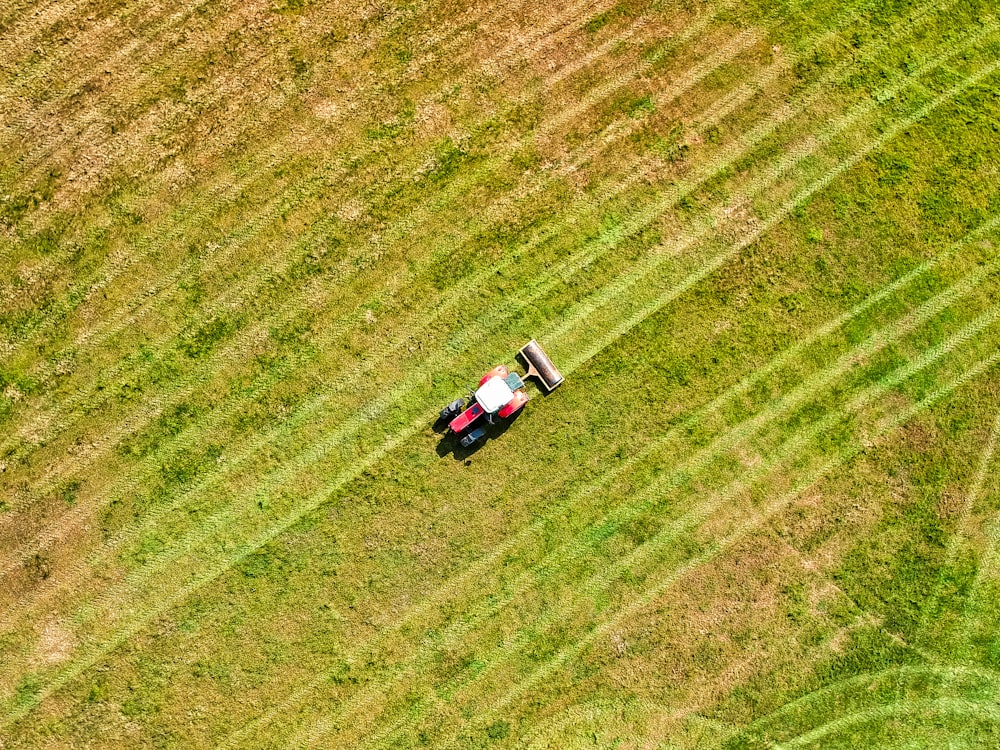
(453, 409)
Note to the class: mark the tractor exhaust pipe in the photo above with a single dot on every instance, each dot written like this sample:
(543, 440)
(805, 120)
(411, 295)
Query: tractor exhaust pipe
(540, 366)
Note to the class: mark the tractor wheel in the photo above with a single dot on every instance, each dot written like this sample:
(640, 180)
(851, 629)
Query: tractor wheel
(453, 409)
(520, 399)
(499, 371)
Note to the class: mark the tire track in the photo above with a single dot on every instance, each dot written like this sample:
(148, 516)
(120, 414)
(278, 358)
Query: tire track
(868, 678)
(958, 706)
(990, 560)
(961, 524)
(246, 547)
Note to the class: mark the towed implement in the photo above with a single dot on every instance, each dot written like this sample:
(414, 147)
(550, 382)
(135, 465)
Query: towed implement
(500, 395)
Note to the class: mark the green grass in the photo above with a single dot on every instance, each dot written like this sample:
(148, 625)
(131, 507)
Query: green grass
(267, 242)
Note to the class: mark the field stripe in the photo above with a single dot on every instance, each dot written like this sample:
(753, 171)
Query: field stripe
(961, 524)
(479, 567)
(990, 561)
(958, 706)
(950, 671)
(478, 280)
(577, 548)
(211, 569)
(666, 583)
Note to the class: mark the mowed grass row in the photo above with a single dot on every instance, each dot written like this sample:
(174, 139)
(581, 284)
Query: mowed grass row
(209, 424)
(901, 692)
(672, 443)
(959, 544)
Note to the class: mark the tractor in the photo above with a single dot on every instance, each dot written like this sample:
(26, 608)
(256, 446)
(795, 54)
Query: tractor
(500, 395)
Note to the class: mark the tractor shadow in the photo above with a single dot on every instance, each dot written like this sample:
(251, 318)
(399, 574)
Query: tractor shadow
(449, 443)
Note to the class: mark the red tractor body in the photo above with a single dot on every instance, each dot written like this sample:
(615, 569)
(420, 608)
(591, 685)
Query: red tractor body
(464, 420)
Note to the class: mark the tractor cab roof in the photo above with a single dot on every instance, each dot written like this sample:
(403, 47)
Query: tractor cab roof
(494, 394)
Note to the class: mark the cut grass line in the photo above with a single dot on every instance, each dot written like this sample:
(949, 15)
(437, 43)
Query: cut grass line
(960, 707)
(961, 524)
(234, 294)
(479, 568)
(988, 570)
(662, 586)
(990, 561)
(760, 724)
(220, 521)
(214, 569)
(645, 553)
(542, 735)
(701, 459)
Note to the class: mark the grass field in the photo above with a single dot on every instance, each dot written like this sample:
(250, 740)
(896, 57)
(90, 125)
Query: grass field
(249, 249)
